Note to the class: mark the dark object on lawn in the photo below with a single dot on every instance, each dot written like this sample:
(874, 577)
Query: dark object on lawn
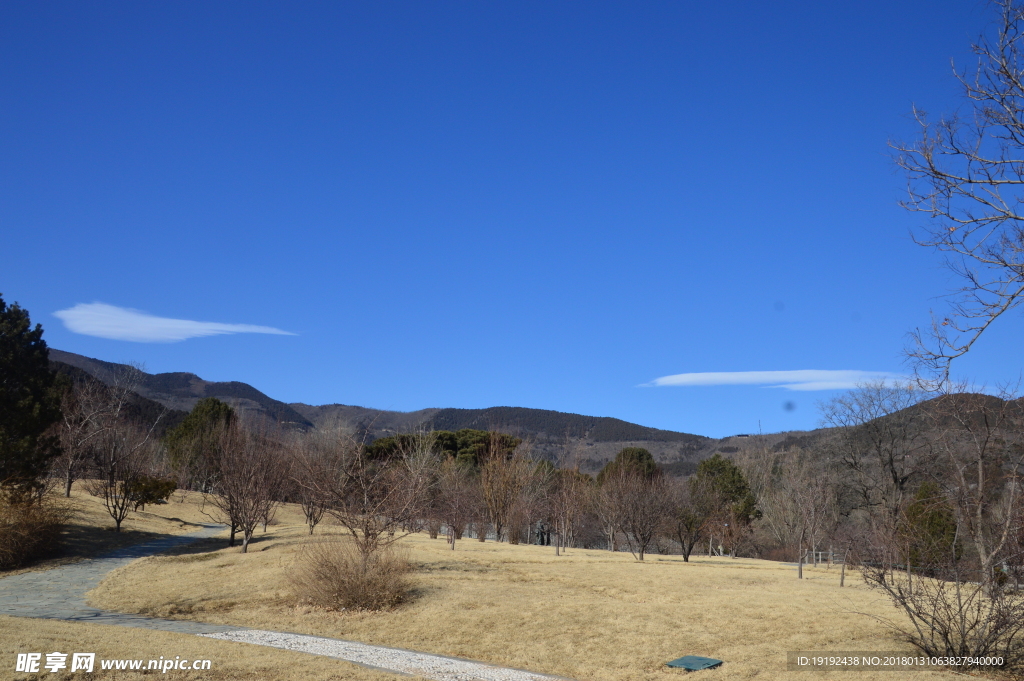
(692, 663)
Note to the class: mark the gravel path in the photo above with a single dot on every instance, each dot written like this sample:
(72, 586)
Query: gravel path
(409, 662)
(60, 594)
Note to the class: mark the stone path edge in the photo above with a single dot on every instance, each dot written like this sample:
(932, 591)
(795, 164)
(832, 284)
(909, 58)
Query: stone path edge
(399, 650)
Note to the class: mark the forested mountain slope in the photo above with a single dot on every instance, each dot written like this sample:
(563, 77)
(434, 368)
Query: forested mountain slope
(568, 439)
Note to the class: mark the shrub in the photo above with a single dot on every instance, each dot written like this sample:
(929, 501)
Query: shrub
(149, 490)
(332, 574)
(29, 530)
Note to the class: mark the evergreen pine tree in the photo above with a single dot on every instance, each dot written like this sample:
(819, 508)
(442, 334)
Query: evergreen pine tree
(29, 404)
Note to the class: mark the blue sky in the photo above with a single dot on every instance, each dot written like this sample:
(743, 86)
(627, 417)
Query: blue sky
(547, 205)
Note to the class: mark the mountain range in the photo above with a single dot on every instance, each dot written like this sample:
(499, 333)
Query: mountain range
(564, 438)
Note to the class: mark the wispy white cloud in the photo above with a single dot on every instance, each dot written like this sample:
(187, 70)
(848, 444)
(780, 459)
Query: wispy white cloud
(121, 323)
(800, 379)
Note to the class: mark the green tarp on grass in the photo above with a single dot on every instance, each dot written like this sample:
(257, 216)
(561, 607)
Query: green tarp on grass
(694, 663)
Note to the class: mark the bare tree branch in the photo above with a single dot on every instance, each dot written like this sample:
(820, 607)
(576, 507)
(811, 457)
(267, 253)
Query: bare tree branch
(964, 174)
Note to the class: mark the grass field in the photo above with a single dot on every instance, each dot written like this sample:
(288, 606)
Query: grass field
(230, 661)
(587, 615)
(90, 532)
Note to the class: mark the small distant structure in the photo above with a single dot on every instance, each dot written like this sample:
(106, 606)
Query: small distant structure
(742, 435)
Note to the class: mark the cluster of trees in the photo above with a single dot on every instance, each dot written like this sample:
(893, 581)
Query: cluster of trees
(462, 483)
(924, 496)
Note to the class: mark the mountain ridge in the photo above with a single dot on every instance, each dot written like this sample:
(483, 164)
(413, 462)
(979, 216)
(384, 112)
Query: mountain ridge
(561, 437)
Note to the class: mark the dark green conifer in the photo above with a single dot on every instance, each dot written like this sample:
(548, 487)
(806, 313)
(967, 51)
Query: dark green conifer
(29, 404)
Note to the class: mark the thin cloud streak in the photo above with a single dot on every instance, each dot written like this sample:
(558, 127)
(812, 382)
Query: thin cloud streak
(121, 323)
(800, 379)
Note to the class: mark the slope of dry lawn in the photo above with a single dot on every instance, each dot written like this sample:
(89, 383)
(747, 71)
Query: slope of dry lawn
(90, 532)
(587, 615)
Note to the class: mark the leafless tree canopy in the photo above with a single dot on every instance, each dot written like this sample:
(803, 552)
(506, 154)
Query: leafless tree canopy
(377, 500)
(935, 517)
(965, 173)
(881, 443)
(86, 411)
(250, 473)
(503, 476)
(123, 451)
(457, 500)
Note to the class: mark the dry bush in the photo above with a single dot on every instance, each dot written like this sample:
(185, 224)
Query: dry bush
(333, 574)
(952, 616)
(28, 531)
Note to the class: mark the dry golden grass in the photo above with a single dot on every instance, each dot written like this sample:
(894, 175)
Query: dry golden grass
(90, 532)
(587, 615)
(228, 660)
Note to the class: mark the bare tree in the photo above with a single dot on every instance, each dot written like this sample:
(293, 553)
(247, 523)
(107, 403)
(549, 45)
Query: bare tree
(608, 505)
(693, 507)
(457, 501)
(312, 505)
(965, 174)
(84, 407)
(377, 500)
(983, 452)
(123, 454)
(637, 504)
(533, 504)
(122, 459)
(307, 467)
(881, 442)
(646, 504)
(797, 497)
(503, 476)
(248, 481)
(949, 565)
(814, 494)
(571, 498)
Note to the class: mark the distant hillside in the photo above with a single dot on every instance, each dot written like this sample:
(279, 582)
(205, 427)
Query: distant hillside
(562, 438)
(141, 410)
(567, 439)
(378, 422)
(555, 424)
(181, 391)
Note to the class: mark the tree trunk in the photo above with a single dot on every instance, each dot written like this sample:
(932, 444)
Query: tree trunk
(800, 559)
(910, 582)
